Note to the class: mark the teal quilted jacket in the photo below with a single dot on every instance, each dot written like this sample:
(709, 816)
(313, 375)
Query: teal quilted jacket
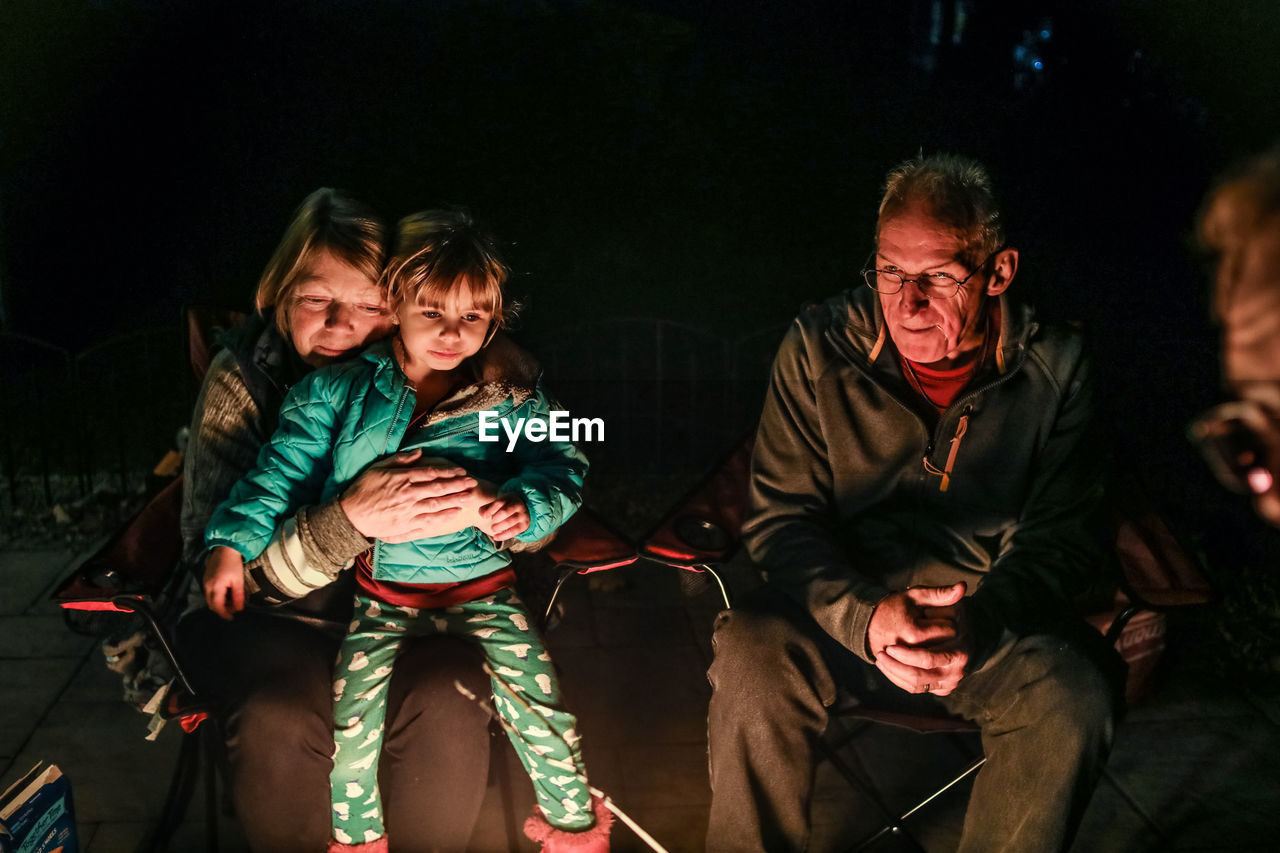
(340, 419)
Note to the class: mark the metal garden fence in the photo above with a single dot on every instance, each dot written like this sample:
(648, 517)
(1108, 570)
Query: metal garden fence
(672, 397)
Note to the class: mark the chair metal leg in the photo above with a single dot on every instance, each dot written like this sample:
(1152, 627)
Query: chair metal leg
(199, 759)
(199, 755)
(724, 589)
(209, 737)
(181, 788)
(142, 608)
(895, 827)
(565, 574)
(858, 779)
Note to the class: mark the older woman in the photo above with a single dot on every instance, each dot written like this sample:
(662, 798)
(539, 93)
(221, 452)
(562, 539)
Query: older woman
(271, 666)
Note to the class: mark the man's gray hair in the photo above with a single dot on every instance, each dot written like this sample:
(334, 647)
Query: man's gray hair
(958, 192)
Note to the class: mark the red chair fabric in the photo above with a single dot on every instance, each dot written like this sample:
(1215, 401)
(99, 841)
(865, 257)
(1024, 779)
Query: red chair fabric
(202, 326)
(586, 544)
(1158, 571)
(139, 559)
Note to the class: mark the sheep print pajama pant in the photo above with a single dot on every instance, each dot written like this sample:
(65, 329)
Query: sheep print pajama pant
(539, 727)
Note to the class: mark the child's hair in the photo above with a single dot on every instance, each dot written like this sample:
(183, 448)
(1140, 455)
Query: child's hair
(438, 250)
(327, 220)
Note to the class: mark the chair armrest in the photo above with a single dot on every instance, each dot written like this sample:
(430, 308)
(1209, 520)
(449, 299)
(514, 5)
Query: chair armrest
(586, 543)
(133, 567)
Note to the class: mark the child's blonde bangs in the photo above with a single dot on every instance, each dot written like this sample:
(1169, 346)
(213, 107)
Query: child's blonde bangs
(484, 289)
(443, 253)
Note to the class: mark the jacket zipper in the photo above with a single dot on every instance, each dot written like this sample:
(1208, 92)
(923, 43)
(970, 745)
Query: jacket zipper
(962, 425)
(961, 428)
(945, 473)
(376, 559)
(395, 419)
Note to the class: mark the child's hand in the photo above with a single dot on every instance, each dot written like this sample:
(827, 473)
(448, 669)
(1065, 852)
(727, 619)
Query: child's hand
(505, 517)
(224, 582)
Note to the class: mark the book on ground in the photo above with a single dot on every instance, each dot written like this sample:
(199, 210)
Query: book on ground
(36, 814)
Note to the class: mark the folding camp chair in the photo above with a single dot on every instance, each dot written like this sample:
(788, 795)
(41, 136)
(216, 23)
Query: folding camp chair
(702, 531)
(134, 573)
(585, 544)
(131, 573)
(1156, 575)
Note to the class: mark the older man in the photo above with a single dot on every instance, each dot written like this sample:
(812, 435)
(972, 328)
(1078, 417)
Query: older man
(922, 496)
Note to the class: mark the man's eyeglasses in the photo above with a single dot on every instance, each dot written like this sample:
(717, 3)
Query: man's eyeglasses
(934, 285)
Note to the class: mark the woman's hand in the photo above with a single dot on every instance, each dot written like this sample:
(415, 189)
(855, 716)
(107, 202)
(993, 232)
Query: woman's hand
(402, 498)
(505, 517)
(224, 581)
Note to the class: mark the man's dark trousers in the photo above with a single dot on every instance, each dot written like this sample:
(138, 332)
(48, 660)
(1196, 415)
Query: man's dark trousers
(1044, 706)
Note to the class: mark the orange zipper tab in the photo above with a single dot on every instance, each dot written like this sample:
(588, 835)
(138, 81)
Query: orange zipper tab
(961, 428)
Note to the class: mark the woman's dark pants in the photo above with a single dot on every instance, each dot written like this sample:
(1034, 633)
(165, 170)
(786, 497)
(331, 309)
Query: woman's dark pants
(274, 676)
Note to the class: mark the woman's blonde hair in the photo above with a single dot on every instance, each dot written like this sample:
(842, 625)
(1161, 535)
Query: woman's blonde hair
(439, 250)
(326, 221)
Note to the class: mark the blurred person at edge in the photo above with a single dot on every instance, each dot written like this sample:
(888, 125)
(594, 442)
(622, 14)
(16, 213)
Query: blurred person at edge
(270, 670)
(1240, 225)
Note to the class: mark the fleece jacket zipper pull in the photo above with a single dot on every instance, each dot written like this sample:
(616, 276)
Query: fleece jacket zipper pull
(961, 428)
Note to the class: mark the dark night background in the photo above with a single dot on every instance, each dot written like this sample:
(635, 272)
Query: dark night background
(713, 163)
(672, 177)
(717, 161)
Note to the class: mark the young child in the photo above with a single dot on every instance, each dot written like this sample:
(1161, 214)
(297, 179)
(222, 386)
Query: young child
(426, 388)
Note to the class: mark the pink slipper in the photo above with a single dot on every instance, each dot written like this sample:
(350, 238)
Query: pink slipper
(593, 840)
(378, 845)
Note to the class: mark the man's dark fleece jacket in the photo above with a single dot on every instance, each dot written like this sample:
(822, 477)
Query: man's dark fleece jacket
(858, 489)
